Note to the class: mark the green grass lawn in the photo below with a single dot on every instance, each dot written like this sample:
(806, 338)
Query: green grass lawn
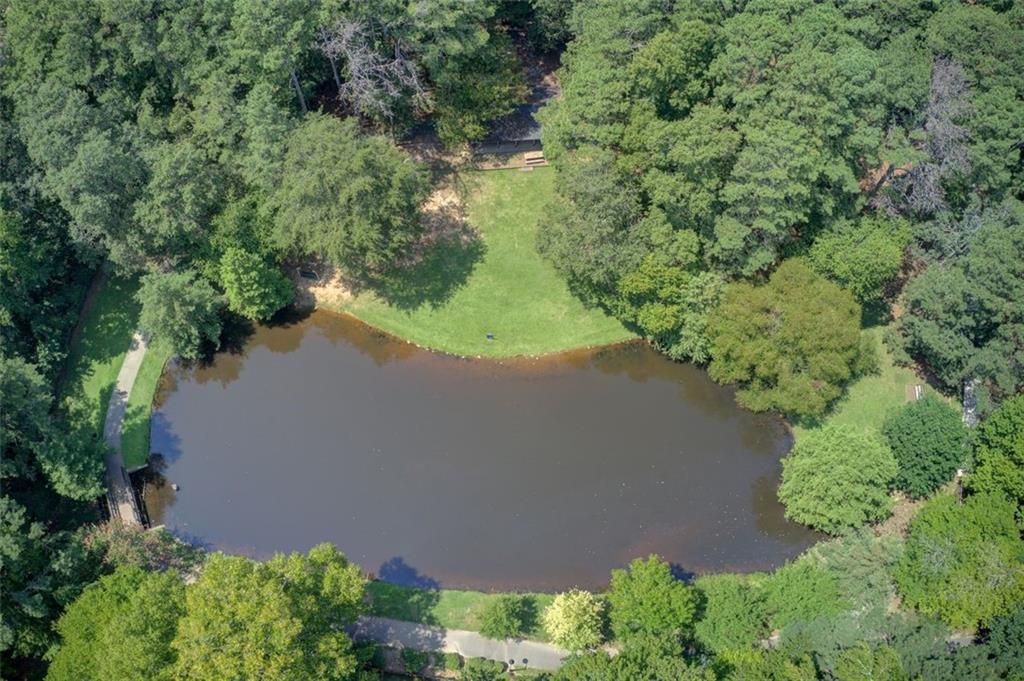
(868, 400)
(447, 608)
(135, 433)
(509, 291)
(98, 351)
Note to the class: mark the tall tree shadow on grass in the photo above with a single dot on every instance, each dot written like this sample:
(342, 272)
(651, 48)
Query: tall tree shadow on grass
(404, 593)
(440, 263)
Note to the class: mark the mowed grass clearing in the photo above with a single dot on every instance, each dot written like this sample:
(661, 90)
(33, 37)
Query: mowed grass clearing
(135, 431)
(448, 608)
(870, 399)
(98, 351)
(511, 291)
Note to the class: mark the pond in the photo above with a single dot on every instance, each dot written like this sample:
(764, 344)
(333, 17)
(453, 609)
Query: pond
(430, 470)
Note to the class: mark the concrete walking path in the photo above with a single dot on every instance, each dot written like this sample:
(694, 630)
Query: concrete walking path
(120, 495)
(400, 634)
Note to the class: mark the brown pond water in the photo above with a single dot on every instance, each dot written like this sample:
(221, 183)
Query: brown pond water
(427, 469)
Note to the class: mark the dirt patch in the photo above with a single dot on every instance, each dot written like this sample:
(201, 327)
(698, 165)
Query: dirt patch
(443, 219)
(904, 510)
(319, 284)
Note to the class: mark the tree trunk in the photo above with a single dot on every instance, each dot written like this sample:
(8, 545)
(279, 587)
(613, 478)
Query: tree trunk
(298, 91)
(334, 70)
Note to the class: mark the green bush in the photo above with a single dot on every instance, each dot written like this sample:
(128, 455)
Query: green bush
(507, 616)
(647, 600)
(734, 616)
(482, 669)
(837, 479)
(575, 620)
(929, 441)
(415, 661)
(963, 563)
(801, 591)
(255, 288)
(452, 662)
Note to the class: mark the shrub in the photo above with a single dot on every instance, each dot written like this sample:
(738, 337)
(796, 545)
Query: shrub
(574, 620)
(837, 479)
(734, 613)
(647, 600)
(452, 662)
(929, 441)
(415, 661)
(799, 592)
(863, 662)
(963, 562)
(506, 616)
(481, 669)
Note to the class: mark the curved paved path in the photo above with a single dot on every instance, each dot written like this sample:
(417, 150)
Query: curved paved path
(397, 633)
(120, 495)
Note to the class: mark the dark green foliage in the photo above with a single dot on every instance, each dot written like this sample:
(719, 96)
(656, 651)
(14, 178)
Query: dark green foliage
(930, 443)
(999, 459)
(362, 226)
(837, 479)
(180, 308)
(507, 616)
(734, 615)
(415, 661)
(963, 562)
(791, 344)
(964, 317)
(254, 288)
(647, 601)
(452, 662)
(477, 88)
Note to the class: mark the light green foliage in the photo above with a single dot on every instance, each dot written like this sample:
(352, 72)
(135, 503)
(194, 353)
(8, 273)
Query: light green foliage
(120, 628)
(862, 563)
(837, 479)
(275, 620)
(648, 601)
(734, 614)
(963, 563)
(930, 443)
(574, 620)
(507, 616)
(181, 309)
(645, 659)
(864, 663)
(801, 591)
(253, 287)
(350, 198)
(999, 459)
(791, 343)
(862, 256)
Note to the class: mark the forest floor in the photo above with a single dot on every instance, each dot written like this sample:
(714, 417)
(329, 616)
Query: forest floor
(479, 272)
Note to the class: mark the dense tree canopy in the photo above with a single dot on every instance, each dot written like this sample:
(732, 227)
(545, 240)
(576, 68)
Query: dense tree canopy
(999, 458)
(791, 343)
(930, 443)
(964, 562)
(837, 479)
(648, 601)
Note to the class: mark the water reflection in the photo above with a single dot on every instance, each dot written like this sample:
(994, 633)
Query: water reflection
(535, 473)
